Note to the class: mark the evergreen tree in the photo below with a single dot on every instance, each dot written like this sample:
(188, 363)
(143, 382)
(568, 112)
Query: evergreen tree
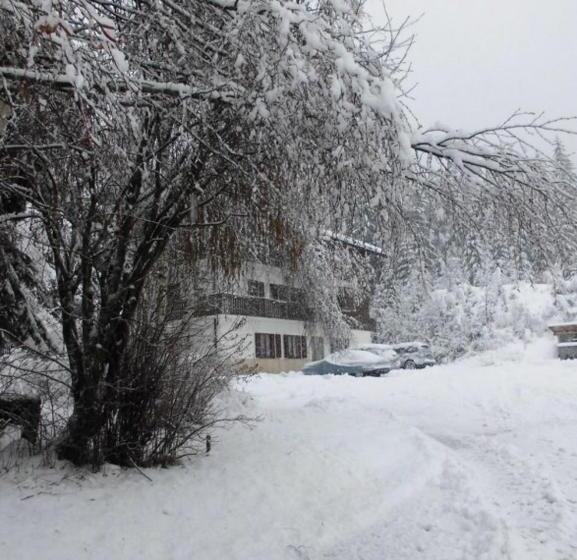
(565, 170)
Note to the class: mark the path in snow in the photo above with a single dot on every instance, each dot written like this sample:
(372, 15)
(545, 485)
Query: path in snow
(509, 487)
(538, 521)
(512, 428)
(473, 461)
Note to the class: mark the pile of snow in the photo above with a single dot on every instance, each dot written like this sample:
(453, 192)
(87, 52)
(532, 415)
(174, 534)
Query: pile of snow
(471, 460)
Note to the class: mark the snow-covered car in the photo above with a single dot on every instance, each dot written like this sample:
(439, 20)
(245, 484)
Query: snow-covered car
(409, 355)
(384, 351)
(349, 362)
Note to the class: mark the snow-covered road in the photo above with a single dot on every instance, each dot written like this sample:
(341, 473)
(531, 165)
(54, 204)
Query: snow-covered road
(476, 460)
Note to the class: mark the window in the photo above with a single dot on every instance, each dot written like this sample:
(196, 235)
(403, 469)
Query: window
(267, 345)
(568, 337)
(296, 294)
(278, 291)
(346, 301)
(295, 347)
(176, 305)
(286, 293)
(317, 347)
(255, 288)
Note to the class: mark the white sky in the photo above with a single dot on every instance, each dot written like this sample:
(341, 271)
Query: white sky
(477, 61)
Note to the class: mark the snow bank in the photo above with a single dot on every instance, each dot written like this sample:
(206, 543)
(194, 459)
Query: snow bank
(473, 460)
(314, 473)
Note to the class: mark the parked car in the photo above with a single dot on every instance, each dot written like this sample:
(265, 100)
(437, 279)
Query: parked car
(409, 355)
(349, 362)
(384, 351)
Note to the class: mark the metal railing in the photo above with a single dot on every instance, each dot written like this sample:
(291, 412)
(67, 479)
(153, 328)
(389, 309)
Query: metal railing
(229, 304)
(247, 306)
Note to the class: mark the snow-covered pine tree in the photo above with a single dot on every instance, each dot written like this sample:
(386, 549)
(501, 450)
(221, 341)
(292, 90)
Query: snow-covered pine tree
(564, 165)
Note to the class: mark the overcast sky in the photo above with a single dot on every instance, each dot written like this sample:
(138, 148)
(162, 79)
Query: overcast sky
(477, 61)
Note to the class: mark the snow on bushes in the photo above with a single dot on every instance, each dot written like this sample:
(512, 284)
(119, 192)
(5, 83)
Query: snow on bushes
(466, 318)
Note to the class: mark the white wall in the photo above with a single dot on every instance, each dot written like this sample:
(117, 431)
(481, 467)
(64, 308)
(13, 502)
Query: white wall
(251, 325)
(228, 336)
(360, 337)
(250, 271)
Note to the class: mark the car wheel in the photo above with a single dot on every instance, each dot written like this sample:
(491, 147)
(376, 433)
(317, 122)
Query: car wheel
(409, 364)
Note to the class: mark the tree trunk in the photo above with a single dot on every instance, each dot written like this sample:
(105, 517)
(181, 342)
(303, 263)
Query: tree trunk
(96, 391)
(80, 444)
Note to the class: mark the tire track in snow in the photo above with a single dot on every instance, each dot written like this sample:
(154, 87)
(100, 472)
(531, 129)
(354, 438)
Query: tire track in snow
(540, 523)
(446, 520)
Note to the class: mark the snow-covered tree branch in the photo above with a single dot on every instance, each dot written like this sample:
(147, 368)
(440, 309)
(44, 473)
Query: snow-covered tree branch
(130, 120)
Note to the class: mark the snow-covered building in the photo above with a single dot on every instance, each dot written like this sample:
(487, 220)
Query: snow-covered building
(268, 316)
(566, 334)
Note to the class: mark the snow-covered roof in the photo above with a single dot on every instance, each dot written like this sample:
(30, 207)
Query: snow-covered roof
(334, 236)
(567, 344)
(564, 327)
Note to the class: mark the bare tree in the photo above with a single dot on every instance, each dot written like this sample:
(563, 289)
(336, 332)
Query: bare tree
(130, 120)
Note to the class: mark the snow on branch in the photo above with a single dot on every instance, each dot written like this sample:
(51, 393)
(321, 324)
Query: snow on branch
(69, 82)
(493, 149)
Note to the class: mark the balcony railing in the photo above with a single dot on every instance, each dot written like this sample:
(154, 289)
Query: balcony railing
(229, 304)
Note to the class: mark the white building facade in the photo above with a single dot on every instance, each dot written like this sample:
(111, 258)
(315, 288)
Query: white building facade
(267, 319)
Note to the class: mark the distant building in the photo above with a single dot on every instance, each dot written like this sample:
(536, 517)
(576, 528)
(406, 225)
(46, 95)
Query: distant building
(566, 334)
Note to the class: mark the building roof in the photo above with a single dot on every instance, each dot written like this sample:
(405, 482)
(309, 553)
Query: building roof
(569, 327)
(329, 235)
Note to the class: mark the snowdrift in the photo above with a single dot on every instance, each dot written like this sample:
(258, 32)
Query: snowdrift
(471, 460)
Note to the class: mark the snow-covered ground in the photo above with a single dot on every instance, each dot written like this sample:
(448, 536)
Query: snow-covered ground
(473, 460)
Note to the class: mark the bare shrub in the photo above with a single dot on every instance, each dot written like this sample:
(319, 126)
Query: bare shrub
(171, 373)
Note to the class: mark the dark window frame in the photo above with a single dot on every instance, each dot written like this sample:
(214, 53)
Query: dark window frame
(346, 301)
(256, 288)
(267, 346)
(295, 346)
(279, 292)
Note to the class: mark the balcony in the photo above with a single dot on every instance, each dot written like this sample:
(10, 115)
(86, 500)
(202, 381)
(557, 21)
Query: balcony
(229, 304)
(246, 306)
